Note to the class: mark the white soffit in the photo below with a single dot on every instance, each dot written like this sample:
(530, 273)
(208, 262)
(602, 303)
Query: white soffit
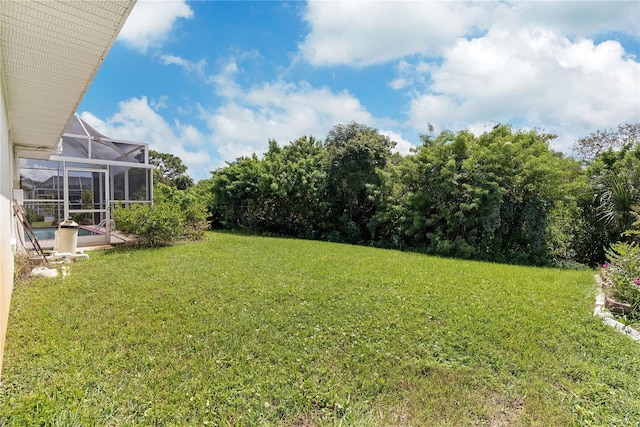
(49, 53)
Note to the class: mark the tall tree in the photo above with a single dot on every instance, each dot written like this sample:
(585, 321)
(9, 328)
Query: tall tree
(600, 141)
(355, 154)
(169, 170)
(391, 202)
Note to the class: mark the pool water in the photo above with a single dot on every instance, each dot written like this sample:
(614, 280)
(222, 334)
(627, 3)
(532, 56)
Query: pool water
(47, 233)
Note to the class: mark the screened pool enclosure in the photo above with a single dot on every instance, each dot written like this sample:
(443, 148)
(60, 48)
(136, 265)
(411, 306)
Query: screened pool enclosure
(84, 180)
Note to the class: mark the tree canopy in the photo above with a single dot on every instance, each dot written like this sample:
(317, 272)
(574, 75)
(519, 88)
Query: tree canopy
(169, 170)
(503, 195)
(601, 141)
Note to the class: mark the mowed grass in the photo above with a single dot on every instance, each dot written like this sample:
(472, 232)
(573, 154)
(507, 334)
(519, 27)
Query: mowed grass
(239, 330)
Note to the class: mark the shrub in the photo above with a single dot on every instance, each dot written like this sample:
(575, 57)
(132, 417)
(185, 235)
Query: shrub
(193, 209)
(175, 214)
(195, 220)
(623, 271)
(33, 216)
(158, 225)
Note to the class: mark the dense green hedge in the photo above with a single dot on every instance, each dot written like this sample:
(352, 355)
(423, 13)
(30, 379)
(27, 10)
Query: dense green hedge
(490, 197)
(503, 196)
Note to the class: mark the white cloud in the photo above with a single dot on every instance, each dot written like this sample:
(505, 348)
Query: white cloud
(534, 76)
(224, 82)
(402, 145)
(362, 33)
(242, 125)
(137, 121)
(279, 110)
(160, 103)
(187, 65)
(576, 18)
(151, 22)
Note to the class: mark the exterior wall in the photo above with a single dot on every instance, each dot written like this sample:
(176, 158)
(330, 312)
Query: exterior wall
(7, 233)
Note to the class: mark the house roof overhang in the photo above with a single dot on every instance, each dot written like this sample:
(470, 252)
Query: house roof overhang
(50, 52)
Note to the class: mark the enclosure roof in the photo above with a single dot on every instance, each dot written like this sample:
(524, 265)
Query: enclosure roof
(49, 53)
(77, 126)
(82, 143)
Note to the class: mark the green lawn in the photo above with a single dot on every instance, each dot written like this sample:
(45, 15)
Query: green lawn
(239, 330)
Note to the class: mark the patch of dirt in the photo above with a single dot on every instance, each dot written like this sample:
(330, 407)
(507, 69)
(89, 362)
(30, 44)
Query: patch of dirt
(507, 411)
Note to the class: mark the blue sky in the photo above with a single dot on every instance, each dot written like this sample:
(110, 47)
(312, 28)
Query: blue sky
(210, 81)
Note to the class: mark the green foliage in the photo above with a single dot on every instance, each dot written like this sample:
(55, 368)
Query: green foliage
(488, 197)
(175, 214)
(499, 196)
(612, 191)
(355, 156)
(623, 271)
(169, 170)
(160, 224)
(32, 216)
(617, 196)
(634, 232)
(191, 206)
(278, 194)
(563, 241)
(391, 199)
(87, 199)
(239, 330)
